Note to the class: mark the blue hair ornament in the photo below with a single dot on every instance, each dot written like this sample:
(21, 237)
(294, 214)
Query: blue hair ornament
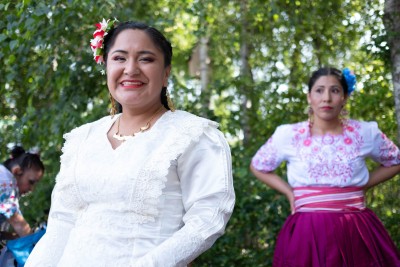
(350, 80)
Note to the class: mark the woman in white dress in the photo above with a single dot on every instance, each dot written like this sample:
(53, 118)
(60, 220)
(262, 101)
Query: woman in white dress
(147, 187)
(327, 175)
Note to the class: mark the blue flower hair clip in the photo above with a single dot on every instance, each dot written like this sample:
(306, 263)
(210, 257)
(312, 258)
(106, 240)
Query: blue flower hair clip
(350, 80)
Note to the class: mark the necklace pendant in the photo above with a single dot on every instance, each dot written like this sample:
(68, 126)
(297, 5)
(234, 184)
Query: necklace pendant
(122, 138)
(145, 128)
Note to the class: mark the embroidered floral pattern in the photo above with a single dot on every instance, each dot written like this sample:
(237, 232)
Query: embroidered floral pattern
(307, 142)
(328, 157)
(388, 152)
(326, 160)
(348, 141)
(266, 157)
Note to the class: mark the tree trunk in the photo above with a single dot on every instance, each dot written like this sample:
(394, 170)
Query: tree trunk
(246, 75)
(204, 73)
(199, 68)
(392, 25)
(203, 51)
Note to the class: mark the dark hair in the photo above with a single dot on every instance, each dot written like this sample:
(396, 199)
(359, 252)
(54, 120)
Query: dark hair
(156, 36)
(24, 160)
(327, 71)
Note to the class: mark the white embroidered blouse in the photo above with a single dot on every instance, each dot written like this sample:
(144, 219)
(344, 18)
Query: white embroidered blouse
(328, 160)
(160, 199)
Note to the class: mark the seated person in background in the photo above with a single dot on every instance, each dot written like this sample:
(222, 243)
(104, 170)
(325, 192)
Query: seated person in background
(18, 175)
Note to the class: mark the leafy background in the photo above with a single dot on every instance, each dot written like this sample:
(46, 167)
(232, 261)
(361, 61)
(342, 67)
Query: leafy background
(260, 55)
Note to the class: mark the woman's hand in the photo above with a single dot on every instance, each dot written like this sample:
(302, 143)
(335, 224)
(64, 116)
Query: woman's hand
(275, 182)
(20, 226)
(290, 197)
(380, 175)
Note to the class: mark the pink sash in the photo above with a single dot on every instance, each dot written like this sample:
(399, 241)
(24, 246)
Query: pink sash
(309, 199)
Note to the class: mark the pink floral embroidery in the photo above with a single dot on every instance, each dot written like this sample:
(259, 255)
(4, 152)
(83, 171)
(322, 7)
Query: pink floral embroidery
(266, 158)
(319, 162)
(388, 152)
(327, 159)
(328, 139)
(348, 141)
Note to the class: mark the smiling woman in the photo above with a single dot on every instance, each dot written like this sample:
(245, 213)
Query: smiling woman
(135, 75)
(148, 187)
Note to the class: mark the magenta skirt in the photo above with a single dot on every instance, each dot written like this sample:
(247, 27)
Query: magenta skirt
(334, 239)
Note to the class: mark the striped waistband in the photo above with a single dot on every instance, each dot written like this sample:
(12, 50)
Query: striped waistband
(309, 199)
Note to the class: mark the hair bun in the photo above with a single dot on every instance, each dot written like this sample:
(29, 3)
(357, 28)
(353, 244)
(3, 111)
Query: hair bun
(17, 151)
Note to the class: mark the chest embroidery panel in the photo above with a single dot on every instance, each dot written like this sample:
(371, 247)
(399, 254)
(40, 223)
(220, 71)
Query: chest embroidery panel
(328, 158)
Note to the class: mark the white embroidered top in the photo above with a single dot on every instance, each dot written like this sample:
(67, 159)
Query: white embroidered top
(159, 199)
(328, 160)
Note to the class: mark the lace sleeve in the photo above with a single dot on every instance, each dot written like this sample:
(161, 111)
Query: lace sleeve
(208, 196)
(65, 203)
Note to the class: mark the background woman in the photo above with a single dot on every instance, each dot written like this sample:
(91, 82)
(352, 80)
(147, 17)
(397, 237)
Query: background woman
(148, 187)
(18, 175)
(327, 176)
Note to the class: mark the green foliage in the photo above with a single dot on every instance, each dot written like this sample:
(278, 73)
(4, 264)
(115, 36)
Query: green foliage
(49, 84)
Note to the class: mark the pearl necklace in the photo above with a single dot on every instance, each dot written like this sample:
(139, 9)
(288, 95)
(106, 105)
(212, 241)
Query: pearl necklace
(123, 138)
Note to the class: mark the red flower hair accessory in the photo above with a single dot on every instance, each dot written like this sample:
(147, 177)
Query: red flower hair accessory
(96, 43)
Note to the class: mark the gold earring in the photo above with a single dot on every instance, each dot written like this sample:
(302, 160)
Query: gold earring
(169, 101)
(310, 116)
(113, 109)
(343, 114)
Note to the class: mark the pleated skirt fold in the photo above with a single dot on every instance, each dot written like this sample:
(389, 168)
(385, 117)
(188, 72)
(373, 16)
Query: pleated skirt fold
(335, 239)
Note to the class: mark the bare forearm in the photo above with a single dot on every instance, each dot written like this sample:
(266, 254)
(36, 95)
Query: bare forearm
(20, 226)
(382, 174)
(277, 183)
(273, 181)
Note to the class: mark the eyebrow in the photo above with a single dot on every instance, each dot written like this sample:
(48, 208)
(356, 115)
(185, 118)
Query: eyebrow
(143, 52)
(322, 85)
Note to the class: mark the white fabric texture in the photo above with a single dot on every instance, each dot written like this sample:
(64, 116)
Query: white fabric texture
(160, 199)
(327, 160)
